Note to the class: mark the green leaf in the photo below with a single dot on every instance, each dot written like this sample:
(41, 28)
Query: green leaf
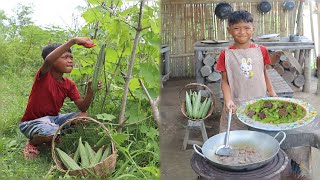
(106, 117)
(112, 55)
(152, 38)
(134, 84)
(140, 94)
(92, 15)
(135, 114)
(95, 2)
(152, 133)
(153, 170)
(144, 129)
(120, 137)
(151, 74)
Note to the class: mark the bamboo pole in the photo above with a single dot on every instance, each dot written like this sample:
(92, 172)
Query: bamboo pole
(312, 30)
(318, 12)
(299, 30)
(318, 71)
(318, 75)
(307, 72)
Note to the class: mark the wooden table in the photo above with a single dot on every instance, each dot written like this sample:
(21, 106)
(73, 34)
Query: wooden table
(300, 60)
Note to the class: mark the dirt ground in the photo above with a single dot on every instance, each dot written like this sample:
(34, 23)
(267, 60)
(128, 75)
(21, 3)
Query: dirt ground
(175, 162)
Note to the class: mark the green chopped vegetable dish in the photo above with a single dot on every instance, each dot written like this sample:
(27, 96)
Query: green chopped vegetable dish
(275, 111)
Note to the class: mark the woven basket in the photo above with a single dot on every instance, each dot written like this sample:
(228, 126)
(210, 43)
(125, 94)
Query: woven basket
(196, 87)
(102, 169)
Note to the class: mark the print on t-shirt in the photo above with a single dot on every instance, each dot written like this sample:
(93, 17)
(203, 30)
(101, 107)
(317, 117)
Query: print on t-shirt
(246, 67)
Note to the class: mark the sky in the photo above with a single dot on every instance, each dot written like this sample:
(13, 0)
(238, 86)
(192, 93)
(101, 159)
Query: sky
(48, 12)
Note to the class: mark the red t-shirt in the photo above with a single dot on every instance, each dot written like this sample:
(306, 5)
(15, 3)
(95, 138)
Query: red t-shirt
(47, 96)
(221, 64)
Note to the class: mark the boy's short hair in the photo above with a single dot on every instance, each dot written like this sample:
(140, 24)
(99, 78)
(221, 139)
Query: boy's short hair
(240, 16)
(49, 48)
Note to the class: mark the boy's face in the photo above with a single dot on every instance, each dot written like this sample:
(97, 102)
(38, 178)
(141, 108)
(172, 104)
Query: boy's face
(64, 64)
(241, 32)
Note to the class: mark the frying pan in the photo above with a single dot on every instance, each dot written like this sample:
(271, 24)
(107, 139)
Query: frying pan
(264, 144)
(223, 10)
(264, 6)
(288, 5)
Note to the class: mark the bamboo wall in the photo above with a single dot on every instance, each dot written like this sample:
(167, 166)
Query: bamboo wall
(184, 22)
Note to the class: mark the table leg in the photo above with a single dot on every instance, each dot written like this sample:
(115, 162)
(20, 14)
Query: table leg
(307, 72)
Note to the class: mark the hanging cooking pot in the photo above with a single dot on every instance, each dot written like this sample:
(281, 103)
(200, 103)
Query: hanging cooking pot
(264, 6)
(223, 10)
(288, 5)
(255, 149)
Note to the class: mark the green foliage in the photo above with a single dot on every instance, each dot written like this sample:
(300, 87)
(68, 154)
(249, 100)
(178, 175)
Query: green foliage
(113, 23)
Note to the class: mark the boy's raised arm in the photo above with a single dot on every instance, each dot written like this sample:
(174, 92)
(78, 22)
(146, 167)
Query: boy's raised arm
(56, 54)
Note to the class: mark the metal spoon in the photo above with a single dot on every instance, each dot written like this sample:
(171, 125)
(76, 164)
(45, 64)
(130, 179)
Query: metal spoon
(225, 150)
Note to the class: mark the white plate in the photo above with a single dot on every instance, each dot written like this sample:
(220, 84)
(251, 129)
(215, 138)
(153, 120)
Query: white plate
(214, 41)
(267, 36)
(311, 113)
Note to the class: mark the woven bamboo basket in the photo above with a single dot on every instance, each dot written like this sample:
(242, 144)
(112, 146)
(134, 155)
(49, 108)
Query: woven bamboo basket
(196, 87)
(102, 169)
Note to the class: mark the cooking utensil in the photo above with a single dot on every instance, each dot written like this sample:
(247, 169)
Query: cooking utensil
(264, 6)
(223, 10)
(311, 114)
(225, 150)
(288, 5)
(264, 144)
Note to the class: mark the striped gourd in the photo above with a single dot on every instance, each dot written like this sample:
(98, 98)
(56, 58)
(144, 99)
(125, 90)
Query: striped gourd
(193, 99)
(90, 152)
(76, 155)
(102, 141)
(202, 108)
(67, 160)
(106, 153)
(97, 157)
(206, 108)
(195, 109)
(98, 68)
(188, 105)
(83, 155)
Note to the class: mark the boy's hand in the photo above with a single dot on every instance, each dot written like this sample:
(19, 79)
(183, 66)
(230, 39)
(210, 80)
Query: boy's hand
(272, 93)
(89, 90)
(229, 104)
(84, 41)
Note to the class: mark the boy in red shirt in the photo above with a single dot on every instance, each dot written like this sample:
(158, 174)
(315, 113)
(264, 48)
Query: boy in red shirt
(42, 118)
(243, 68)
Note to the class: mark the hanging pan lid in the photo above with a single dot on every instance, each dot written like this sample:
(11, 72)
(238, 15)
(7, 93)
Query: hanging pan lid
(223, 10)
(264, 6)
(288, 5)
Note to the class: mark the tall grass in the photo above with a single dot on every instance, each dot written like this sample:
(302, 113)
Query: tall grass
(14, 92)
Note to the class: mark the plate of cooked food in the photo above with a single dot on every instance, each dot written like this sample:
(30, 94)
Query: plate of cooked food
(276, 113)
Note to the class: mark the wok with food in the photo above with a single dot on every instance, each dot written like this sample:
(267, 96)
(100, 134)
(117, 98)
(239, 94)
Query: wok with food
(251, 149)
